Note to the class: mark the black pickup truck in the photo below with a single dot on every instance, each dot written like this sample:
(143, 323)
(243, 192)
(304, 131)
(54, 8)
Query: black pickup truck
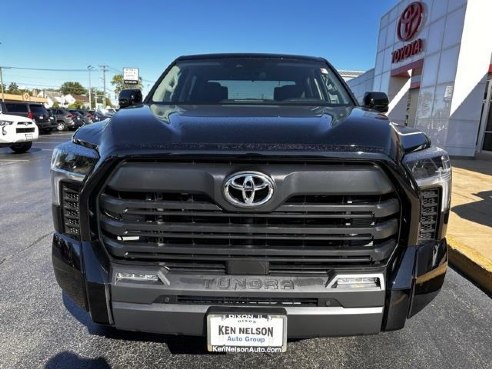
(250, 199)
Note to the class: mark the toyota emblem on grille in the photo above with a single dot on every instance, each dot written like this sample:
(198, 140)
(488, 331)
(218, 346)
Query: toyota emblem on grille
(248, 189)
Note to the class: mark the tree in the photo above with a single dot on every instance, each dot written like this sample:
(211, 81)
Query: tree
(72, 88)
(119, 84)
(13, 88)
(76, 105)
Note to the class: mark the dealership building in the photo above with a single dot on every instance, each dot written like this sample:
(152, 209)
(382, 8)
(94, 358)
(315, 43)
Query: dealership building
(434, 62)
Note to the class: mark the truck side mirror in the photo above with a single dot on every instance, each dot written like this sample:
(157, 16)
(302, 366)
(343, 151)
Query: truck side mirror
(130, 97)
(376, 101)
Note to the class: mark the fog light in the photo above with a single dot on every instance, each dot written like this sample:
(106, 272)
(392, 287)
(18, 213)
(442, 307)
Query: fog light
(136, 277)
(373, 281)
(357, 283)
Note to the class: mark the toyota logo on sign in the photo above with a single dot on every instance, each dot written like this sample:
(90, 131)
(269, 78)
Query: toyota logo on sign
(410, 21)
(248, 189)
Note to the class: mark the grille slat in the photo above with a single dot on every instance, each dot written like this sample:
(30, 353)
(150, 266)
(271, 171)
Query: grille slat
(382, 231)
(271, 237)
(327, 261)
(381, 209)
(24, 130)
(119, 205)
(214, 253)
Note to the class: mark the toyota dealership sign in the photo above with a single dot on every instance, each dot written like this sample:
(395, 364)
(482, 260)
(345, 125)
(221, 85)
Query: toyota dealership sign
(410, 21)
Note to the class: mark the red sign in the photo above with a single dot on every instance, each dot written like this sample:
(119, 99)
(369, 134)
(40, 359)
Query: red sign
(407, 51)
(410, 21)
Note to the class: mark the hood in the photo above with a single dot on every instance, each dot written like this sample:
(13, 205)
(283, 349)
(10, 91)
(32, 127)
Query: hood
(247, 129)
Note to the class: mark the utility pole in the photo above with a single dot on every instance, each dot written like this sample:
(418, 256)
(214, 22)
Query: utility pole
(104, 70)
(1, 84)
(90, 68)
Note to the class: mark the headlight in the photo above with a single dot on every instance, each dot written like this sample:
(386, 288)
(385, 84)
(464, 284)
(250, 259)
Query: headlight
(5, 123)
(72, 163)
(431, 168)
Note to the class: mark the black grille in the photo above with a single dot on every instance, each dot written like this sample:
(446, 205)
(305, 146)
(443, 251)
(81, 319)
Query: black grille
(245, 301)
(305, 234)
(24, 130)
(429, 218)
(70, 210)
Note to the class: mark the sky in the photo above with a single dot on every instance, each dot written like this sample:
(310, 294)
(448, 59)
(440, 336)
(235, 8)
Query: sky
(150, 34)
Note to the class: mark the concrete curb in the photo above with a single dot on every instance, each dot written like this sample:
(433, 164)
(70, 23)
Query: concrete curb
(471, 263)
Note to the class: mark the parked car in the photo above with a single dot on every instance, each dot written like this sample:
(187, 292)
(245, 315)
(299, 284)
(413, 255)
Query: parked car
(98, 116)
(78, 118)
(17, 132)
(65, 120)
(107, 112)
(248, 199)
(93, 115)
(84, 114)
(35, 111)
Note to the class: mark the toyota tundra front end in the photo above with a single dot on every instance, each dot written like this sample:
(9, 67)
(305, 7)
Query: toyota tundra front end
(249, 199)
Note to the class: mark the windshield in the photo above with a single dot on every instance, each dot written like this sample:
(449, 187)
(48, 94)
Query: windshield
(251, 81)
(38, 109)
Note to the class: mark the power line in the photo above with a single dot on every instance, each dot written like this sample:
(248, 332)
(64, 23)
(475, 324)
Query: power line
(104, 69)
(45, 69)
(114, 69)
(20, 83)
(34, 80)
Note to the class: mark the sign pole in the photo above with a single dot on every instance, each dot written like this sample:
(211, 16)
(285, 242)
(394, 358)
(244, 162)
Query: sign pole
(1, 84)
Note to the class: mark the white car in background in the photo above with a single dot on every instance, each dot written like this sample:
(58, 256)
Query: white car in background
(17, 132)
(108, 112)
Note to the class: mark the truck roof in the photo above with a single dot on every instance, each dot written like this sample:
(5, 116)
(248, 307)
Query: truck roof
(250, 55)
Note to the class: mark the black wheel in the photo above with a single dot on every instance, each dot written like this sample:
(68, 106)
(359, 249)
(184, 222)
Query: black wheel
(21, 147)
(60, 125)
(46, 131)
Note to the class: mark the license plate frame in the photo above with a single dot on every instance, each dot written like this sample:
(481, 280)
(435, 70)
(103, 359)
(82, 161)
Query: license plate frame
(29, 136)
(251, 333)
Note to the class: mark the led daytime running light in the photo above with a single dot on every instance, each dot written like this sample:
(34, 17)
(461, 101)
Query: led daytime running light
(431, 168)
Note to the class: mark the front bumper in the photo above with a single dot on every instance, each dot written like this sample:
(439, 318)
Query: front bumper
(8, 135)
(87, 275)
(46, 124)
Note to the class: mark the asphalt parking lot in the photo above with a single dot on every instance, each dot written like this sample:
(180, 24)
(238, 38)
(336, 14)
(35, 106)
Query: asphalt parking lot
(40, 328)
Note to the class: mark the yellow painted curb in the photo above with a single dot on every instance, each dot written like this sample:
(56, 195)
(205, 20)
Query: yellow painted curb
(471, 263)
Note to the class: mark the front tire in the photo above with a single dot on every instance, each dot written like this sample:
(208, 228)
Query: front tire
(21, 147)
(60, 126)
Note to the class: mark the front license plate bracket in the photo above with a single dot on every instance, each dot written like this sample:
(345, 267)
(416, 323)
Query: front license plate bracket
(236, 329)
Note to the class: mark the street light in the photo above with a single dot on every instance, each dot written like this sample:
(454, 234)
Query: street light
(90, 68)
